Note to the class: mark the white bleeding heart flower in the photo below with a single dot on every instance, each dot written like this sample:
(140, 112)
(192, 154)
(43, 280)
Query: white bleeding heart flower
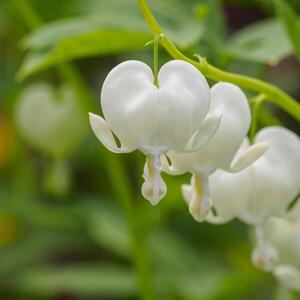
(218, 153)
(284, 235)
(154, 119)
(50, 119)
(264, 189)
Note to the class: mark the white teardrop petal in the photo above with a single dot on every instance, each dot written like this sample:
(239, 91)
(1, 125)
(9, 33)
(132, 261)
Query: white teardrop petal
(248, 157)
(105, 136)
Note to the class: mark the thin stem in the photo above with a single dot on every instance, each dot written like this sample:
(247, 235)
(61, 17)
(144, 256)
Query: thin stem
(116, 171)
(155, 58)
(273, 93)
(256, 105)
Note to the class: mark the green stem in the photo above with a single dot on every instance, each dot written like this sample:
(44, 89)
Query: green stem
(273, 93)
(257, 101)
(155, 58)
(117, 174)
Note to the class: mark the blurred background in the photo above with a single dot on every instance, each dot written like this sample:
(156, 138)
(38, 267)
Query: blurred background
(65, 226)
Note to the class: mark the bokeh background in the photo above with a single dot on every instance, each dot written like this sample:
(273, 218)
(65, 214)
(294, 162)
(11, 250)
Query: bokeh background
(64, 218)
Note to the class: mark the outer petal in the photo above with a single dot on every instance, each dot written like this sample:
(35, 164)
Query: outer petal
(229, 193)
(230, 102)
(184, 102)
(129, 102)
(105, 136)
(276, 174)
(288, 276)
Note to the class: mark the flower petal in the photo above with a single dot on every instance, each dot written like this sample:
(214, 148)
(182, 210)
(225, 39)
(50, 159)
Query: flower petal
(184, 102)
(204, 133)
(249, 156)
(129, 101)
(197, 197)
(288, 276)
(169, 168)
(105, 136)
(153, 188)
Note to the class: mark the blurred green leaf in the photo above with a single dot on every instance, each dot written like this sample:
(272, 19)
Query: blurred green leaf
(263, 42)
(85, 45)
(90, 280)
(290, 22)
(108, 29)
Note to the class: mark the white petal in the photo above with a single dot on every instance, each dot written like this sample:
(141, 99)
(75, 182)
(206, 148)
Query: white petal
(153, 188)
(184, 102)
(103, 133)
(288, 276)
(248, 157)
(264, 256)
(169, 168)
(219, 149)
(129, 101)
(197, 197)
(206, 131)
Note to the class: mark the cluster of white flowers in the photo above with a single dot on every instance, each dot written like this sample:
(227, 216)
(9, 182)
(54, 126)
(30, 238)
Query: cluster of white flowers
(184, 126)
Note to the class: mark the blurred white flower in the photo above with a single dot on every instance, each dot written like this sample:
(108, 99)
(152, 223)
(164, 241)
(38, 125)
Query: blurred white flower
(229, 101)
(284, 235)
(50, 119)
(154, 119)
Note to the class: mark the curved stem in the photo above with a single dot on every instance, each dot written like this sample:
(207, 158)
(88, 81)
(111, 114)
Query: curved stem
(155, 58)
(273, 93)
(256, 105)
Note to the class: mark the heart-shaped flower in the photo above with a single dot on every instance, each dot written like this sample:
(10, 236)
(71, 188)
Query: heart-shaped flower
(50, 120)
(284, 236)
(266, 187)
(218, 153)
(154, 119)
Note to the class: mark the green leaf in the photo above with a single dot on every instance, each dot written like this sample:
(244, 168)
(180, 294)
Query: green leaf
(84, 45)
(263, 42)
(290, 22)
(91, 280)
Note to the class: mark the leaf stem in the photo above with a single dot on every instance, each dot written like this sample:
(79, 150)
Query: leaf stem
(272, 93)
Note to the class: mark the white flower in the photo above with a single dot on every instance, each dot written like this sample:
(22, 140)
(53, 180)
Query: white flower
(154, 119)
(229, 101)
(266, 187)
(284, 235)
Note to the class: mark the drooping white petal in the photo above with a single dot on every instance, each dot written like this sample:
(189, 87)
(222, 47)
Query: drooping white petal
(205, 132)
(168, 168)
(103, 133)
(248, 157)
(197, 197)
(153, 188)
(288, 276)
(264, 255)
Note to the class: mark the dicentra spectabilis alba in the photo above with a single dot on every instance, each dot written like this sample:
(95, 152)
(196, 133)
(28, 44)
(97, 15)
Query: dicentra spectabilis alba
(154, 119)
(262, 190)
(229, 101)
(284, 235)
